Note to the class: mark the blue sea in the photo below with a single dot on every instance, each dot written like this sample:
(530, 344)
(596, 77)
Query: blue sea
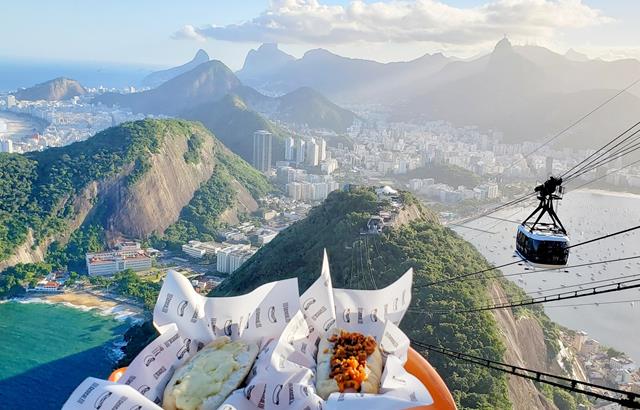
(47, 350)
(16, 74)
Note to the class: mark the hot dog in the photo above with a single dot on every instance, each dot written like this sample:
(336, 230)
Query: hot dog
(348, 362)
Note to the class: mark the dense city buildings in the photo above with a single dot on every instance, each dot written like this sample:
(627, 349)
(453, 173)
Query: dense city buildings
(36, 125)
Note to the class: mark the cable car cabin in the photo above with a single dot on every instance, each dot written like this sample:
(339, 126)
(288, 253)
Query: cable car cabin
(543, 243)
(541, 246)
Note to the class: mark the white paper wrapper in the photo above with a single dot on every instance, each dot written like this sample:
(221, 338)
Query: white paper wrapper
(269, 316)
(262, 313)
(375, 313)
(282, 376)
(99, 394)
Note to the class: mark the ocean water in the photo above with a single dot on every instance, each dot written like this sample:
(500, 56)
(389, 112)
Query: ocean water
(47, 350)
(16, 74)
(585, 215)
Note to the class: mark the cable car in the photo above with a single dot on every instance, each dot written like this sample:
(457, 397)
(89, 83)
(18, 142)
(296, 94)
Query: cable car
(545, 244)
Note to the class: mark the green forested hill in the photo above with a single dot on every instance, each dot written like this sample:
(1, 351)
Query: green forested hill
(434, 252)
(234, 123)
(127, 167)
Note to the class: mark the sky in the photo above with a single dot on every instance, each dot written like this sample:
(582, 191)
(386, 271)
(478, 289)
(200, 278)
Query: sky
(163, 33)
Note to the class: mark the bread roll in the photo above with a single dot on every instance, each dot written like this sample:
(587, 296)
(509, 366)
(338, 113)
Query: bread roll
(343, 380)
(207, 378)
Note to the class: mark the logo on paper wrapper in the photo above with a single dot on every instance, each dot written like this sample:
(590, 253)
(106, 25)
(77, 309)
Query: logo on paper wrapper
(227, 327)
(346, 315)
(167, 301)
(184, 349)
(181, 307)
(374, 315)
(275, 397)
(248, 390)
(399, 380)
(304, 390)
(404, 292)
(291, 395)
(395, 304)
(328, 324)
(194, 317)
(157, 351)
(136, 407)
(272, 315)
(101, 399)
(148, 360)
(307, 303)
(144, 389)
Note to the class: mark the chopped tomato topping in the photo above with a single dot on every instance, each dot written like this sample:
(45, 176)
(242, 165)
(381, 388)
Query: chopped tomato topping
(349, 360)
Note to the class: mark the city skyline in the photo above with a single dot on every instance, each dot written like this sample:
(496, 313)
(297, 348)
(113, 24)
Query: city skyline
(161, 34)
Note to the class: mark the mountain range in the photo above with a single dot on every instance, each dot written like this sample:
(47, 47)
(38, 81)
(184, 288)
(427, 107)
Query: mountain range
(53, 90)
(212, 94)
(525, 92)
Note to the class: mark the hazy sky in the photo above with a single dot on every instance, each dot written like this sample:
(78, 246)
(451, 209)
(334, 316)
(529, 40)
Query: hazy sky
(167, 32)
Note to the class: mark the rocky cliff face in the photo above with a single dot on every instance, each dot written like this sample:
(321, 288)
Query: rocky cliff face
(155, 201)
(147, 195)
(524, 340)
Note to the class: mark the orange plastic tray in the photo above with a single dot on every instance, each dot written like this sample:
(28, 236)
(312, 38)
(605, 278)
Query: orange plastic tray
(416, 365)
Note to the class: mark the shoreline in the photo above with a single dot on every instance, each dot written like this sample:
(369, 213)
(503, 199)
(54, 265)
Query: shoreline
(619, 194)
(89, 301)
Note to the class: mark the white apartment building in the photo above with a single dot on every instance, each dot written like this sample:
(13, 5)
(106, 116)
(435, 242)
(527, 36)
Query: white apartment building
(264, 236)
(289, 148)
(6, 146)
(323, 149)
(109, 263)
(328, 166)
(232, 257)
(197, 249)
(312, 153)
(300, 150)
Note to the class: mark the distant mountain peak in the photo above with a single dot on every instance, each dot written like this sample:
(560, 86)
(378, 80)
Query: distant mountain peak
(266, 59)
(268, 47)
(201, 56)
(317, 53)
(503, 45)
(573, 55)
(159, 77)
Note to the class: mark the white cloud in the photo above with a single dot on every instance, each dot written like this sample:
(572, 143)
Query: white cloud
(397, 21)
(188, 32)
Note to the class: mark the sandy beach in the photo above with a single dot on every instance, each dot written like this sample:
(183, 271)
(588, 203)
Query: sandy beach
(88, 301)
